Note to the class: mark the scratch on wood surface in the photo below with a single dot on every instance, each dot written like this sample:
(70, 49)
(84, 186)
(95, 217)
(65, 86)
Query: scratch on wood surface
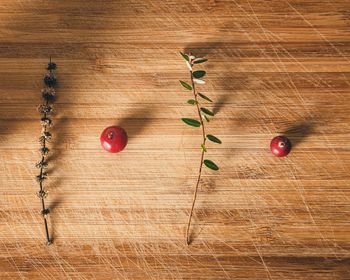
(302, 103)
(123, 221)
(253, 19)
(253, 227)
(209, 250)
(318, 32)
(11, 259)
(301, 191)
(263, 261)
(272, 60)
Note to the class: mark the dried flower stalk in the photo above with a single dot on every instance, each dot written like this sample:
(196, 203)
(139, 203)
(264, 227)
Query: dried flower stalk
(203, 114)
(45, 110)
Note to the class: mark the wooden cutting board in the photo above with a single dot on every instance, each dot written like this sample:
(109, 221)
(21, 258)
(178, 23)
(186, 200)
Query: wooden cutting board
(273, 67)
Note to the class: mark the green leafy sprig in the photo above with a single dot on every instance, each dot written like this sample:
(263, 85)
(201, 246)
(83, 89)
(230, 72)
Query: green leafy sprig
(45, 110)
(204, 114)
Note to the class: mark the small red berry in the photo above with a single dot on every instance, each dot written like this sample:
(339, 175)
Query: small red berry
(114, 139)
(280, 146)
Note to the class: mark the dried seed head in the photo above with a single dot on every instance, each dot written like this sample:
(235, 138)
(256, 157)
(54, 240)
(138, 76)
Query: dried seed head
(47, 135)
(42, 164)
(45, 212)
(50, 80)
(46, 122)
(41, 177)
(44, 109)
(49, 98)
(48, 94)
(48, 90)
(44, 151)
(51, 66)
(42, 194)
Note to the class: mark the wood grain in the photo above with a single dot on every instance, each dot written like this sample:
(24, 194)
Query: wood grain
(274, 67)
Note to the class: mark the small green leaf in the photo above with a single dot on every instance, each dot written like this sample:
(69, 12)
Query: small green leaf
(185, 56)
(203, 148)
(205, 117)
(211, 165)
(205, 97)
(192, 101)
(213, 139)
(199, 60)
(199, 74)
(207, 111)
(185, 85)
(191, 122)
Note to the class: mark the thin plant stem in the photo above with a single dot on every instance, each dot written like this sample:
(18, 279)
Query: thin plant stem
(42, 193)
(48, 239)
(188, 240)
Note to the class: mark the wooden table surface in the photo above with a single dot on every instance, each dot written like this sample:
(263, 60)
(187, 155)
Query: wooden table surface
(274, 67)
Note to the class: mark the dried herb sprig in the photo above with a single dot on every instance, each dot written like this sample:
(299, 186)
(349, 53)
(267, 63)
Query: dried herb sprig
(203, 114)
(45, 110)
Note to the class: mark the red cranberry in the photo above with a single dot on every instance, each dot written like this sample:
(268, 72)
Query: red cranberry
(280, 146)
(114, 139)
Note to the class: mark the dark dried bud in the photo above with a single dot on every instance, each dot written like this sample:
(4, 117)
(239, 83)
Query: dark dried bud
(48, 94)
(51, 66)
(48, 97)
(41, 177)
(50, 80)
(46, 121)
(44, 109)
(42, 164)
(45, 212)
(44, 151)
(42, 194)
(47, 135)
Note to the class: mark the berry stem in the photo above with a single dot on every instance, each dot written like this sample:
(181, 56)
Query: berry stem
(188, 240)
